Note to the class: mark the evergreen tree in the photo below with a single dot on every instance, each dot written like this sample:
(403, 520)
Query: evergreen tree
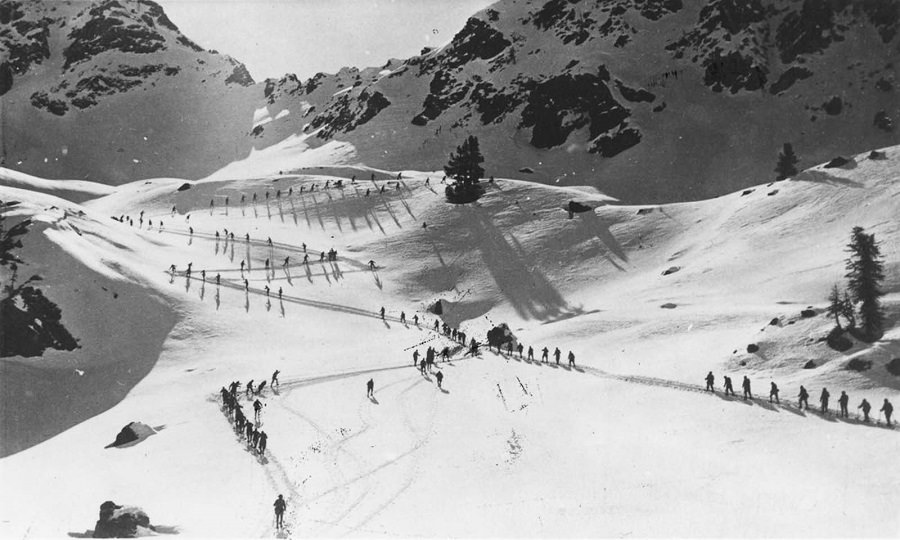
(787, 163)
(835, 305)
(465, 163)
(865, 272)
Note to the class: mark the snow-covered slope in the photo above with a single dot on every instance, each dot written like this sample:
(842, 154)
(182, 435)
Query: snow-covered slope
(111, 91)
(625, 444)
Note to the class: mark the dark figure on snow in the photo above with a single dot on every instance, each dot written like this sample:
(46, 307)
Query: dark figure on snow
(571, 359)
(729, 389)
(246, 285)
(261, 445)
(804, 398)
(888, 410)
(509, 348)
(259, 389)
(280, 293)
(267, 291)
(520, 348)
(842, 401)
(440, 378)
(382, 313)
(218, 279)
(249, 389)
(370, 388)
(773, 393)
(436, 326)
(445, 353)
(556, 354)
(403, 317)
(865, 409)
(823, 399)
(422, 365)
(544, 352)
(275, 379)
(746, 386)
(416, 357)
(371, 265)
(710, 379)
(257, 407)
(416, 320)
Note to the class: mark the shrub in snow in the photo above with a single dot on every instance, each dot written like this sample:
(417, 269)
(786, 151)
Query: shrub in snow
(118, 521)
(809, 365)
(893, 367)
(875, 154)
(184, 187)
(787, 163)
(838, 341)
(806, 313)
(671, 270)
(839, 161)
(858, 364)
(752, 348)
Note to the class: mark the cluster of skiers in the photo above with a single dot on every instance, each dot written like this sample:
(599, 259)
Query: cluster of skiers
(256, 438)
(130, 221)
(545, 352)
(803, 398)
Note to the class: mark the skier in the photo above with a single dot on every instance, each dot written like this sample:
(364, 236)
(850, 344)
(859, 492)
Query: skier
(519, 348)
(556, 354)
(509, 348)
(842, 401)
(257, 407)
(249, 388)
(246, 285)
(804, 398)
(571, 359)
(729, 389)
(261, 446)
(416, 357)
(823, 399)
(746, 386)
(260, 388)
(531, 353)
(287, 261)
(382, 313)
(203, 275)
(279, 512)
(275, 379)
(440, 378)
(218, 279)
(242, 267)
(306, 259)
(304, 247)
(773, 393)
(280, 292)
(544, 352)
(371, 265)
(370, 389)
(888, 410)
(267, 291)
(865, 409)
(403, 317)
(416, 320)
(422, 365)
(710, 379)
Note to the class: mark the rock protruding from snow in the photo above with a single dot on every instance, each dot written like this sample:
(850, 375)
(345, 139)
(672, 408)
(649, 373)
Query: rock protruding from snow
(118, 521)
(134, 432)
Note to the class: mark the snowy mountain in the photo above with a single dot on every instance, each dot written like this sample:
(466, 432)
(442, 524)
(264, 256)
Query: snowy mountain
(111, 91)
(649, 298)
(648, 101)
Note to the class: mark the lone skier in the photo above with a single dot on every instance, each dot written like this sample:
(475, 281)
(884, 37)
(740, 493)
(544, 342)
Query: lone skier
(279, 512)
(888, 410)
(710, 379)
(571, 359)
(275, 379)
(440, 378)
(370, 389)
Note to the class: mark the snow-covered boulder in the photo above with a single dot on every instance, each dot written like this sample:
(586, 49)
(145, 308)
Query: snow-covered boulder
(134, 432)
(118, 521)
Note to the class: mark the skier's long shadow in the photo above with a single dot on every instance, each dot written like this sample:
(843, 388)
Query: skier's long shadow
(445, 391)
(732, 399)
(373, 400)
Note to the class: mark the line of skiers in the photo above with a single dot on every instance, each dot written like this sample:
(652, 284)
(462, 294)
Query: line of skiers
(545, 352)
(255, 437)
(803, 398)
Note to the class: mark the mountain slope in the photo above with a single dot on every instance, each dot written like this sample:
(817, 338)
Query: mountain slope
(111, 91)
(648, 101)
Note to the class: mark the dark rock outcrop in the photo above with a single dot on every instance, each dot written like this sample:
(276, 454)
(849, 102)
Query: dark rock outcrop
(118, 521)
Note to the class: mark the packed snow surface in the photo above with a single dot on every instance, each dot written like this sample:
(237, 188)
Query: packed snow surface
(624, 444)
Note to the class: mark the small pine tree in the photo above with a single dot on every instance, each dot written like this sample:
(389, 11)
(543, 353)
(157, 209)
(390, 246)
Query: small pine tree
(865, 272)
(848, 311)
(787, 163)
(465, 164)
(835, 305)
